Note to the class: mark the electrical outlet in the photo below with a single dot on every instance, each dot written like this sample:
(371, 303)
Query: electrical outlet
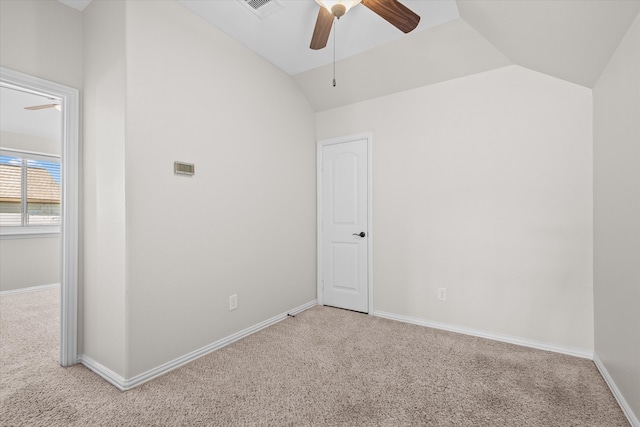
(233, 302)
(442, 294)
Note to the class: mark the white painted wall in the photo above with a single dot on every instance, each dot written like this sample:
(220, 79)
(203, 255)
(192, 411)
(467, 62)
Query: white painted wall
(104, 242)
(36, 144)
(511, 146)
(42, 38)
(19, 256)
(617, 217)
(483, 185)
(245, 222)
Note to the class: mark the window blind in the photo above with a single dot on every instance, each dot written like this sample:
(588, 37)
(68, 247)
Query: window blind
(29, 190)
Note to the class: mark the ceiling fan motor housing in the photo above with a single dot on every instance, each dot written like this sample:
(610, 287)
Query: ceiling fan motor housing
(338, 7)
(338, 10)
(391, 11)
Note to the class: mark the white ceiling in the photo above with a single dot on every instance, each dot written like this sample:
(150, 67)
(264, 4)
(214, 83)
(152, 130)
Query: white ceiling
(568, 39)
(46, 123)
(442, 53)
(76, 4)
(283, 37)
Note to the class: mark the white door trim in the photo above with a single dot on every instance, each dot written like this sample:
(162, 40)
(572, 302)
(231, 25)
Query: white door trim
(69, 98)
(339, 140)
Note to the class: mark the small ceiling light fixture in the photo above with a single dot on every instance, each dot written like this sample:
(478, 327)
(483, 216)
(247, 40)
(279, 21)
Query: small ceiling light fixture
(338, 7)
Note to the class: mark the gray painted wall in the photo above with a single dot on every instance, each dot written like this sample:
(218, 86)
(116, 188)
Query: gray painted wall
(44, 38)
(617, 217)
(33, 261)
(483, 185)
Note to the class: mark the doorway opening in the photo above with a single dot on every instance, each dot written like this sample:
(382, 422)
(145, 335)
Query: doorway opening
(65, 99)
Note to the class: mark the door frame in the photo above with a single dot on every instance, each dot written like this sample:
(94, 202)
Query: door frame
(69, 98)
(319, 169)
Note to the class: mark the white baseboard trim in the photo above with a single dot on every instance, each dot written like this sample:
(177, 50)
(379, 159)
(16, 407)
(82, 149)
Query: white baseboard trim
(577, 352)
(29, 289)
(127, 384)
(616, 392)
(112, 377)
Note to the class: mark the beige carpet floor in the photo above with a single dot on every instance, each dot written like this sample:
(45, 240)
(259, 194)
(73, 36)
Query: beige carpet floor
(324, 367)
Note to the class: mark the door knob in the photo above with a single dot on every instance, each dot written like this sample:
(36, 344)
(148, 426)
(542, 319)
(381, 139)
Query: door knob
(361, 234)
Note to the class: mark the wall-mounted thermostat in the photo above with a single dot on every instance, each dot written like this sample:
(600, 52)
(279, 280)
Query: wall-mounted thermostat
(184, 168)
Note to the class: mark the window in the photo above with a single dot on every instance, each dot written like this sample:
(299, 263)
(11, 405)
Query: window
(29, 193)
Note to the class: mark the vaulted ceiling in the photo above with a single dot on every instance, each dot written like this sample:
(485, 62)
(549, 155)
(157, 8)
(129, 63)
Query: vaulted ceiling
(568, 39)
(283, 35)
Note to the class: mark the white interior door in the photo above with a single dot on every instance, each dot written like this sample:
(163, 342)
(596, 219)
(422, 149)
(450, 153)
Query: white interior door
(345, 225)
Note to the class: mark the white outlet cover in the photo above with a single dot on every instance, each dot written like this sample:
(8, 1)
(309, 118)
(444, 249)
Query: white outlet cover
(233, 302)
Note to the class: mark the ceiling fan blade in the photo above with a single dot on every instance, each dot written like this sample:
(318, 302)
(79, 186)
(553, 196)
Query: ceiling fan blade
(41, 107)
(322, 30)
(394, 13)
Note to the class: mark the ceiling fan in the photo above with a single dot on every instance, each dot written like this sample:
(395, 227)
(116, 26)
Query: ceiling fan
(57, 106)
(42, 107)
(391, 11)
